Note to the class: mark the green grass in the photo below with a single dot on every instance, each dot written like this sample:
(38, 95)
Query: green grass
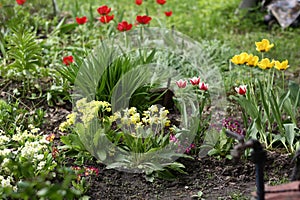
(207, 20)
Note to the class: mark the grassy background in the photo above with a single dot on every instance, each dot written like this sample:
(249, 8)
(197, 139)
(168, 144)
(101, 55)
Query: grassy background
(206, 20)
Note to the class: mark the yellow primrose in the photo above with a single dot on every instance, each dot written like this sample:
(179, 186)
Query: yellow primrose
(281, 65)
(265, 64)
(132, 110)
(153, 108)
(135, 118)
(167, 123)
(252, 60)
(240, 59)
(264, 45)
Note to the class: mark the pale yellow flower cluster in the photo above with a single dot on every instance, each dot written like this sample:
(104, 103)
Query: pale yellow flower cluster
(86, 111)
(89, 110)
(265, 63)
(69, 122)
(131, 120)
(155, 116)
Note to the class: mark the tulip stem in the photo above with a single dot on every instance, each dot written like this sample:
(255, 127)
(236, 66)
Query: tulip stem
(282, 79)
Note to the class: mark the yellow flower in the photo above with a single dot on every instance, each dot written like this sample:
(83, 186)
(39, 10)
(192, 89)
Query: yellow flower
(135, 118)
(153, 108)
(167, 123)
(240, 59)
(265, 64)
(115, 116)
(132, 111)
(281, 65)
(264, 45)
(163, 113)
(252, 60)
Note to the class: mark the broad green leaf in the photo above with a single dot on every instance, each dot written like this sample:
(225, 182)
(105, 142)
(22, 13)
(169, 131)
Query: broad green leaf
(290, 133)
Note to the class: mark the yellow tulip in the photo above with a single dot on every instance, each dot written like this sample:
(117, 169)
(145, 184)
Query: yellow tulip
(240, 59)
(252, 60)
(281, 65)
(265, 64)
(264, 45)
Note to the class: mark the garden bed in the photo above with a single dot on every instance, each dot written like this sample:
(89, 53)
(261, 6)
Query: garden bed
(132, 101)
(216, 179)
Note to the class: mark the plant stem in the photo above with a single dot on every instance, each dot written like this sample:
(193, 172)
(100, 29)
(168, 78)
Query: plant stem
(282, 79)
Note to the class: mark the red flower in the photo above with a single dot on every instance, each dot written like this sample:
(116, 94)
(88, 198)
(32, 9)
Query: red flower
(242, 89)
(20, 2)
(67, 60)
(143, 19)
(161, 2)
(181, 83)
(138, 2)
(124, 26)
(91, 170)
(169, 13)
(195, 81)
(203, 86)
(106, 18)
(81, 20)
(104, 10)
(55, 152)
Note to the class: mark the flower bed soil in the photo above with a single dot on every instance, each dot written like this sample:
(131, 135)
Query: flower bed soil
(217, 179)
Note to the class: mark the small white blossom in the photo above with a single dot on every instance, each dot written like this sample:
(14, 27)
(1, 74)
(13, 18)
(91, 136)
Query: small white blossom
(5, 152)
(3, 139)
(41, 165)
(6, 182)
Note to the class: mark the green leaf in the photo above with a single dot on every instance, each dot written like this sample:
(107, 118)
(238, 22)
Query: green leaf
(248, 106)
(213, 152)
(264, 101)
(101, 154)
(290, 133)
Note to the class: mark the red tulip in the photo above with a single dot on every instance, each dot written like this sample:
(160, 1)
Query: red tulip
(106, 18)
(195, 81)
(104, 10)
(143, 19)
(169, 13)
(124, 26)
(203, 86)
(81, 20)
(161, 2)
(67, 60)
(20, 2)
(138, 2)
(181, 83)
(242, 89)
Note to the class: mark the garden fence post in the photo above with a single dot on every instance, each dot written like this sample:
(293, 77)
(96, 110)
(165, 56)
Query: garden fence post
(259, 157)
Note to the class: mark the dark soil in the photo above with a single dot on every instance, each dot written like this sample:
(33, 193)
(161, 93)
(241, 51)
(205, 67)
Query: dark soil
(217, 179)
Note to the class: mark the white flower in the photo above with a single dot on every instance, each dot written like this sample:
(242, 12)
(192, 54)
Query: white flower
(34, 130)
(41, 165)
(39, 156)
(5, 162)
(6, 182)
(3, 139)
(5, 152)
